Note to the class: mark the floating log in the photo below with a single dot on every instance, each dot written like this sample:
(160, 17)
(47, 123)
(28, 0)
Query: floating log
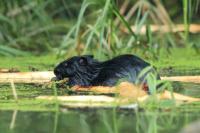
(27, 77)
(80, 98)
(90, 101)
(193, 28)
(46, 76)
(125, 91)
(176, 96)
(192, 79)
(132, 92)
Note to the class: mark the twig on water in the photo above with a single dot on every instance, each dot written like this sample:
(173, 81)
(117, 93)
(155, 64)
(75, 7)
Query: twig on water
(14, 90)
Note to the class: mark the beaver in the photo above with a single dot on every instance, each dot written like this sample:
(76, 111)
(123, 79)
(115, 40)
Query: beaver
(87, 71)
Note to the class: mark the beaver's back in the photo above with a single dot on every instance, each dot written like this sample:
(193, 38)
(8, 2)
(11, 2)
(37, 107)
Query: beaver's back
(124, 67)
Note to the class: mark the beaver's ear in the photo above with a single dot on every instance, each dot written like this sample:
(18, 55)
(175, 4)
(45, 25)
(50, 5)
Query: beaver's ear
(83, 61)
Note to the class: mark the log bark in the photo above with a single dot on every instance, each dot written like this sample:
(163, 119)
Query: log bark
(90, 101)
(80, 98)
(126, 90)
(46, 76)
(192, 79)
(27, 77)
(107, 101)
(193, 28)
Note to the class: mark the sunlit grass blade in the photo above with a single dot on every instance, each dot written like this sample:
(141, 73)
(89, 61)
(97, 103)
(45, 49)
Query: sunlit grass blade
(117, 13)
(12, 51)
(186, 23)
(99, 25)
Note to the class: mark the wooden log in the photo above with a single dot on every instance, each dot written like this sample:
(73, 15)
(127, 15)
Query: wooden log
(192, 79)
(178, 97)
(90, 101)
(80, 98)
(27, 77)
(193, 28)
(132, 92)
(46, 76)
(124, 89)
(83, 101)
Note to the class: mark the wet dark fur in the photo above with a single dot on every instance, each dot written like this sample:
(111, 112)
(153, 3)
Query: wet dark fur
(86, 71)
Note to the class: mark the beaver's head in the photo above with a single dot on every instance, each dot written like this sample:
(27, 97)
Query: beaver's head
(75, 66)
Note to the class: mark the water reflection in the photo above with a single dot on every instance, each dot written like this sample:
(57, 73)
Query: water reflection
(95, 121)
(193, 127)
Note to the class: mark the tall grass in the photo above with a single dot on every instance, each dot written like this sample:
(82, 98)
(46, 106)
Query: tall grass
(89, 27)
(186, 16)
(33, 26)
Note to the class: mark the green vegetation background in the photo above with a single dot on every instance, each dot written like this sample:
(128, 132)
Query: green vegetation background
(37, 34)
(34, 31)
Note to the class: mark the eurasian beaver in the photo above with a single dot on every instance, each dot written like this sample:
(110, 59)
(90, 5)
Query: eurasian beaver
(87, 71)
